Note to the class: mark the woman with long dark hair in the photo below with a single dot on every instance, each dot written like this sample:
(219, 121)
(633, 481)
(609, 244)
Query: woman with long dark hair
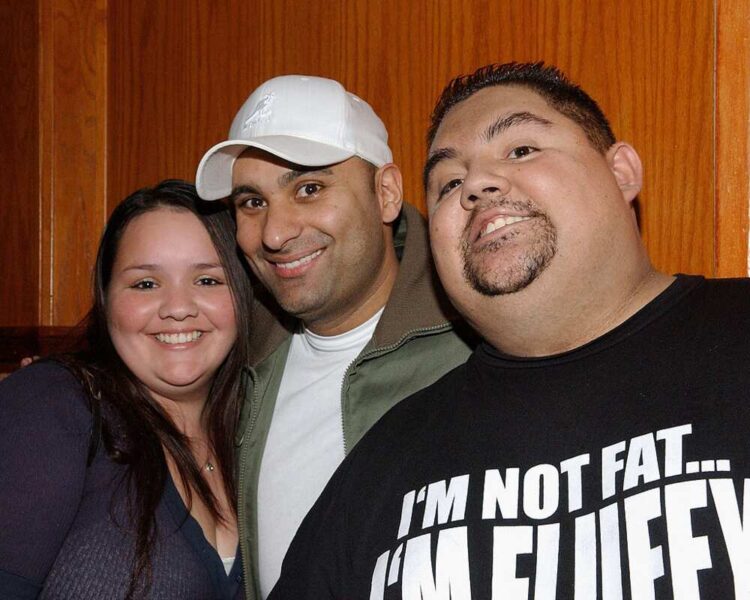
(117, 461)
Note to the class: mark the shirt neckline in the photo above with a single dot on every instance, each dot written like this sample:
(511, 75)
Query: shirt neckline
(353, 338)
(674, 293)
(224, 583)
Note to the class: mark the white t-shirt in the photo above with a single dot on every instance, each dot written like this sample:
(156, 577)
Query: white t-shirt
(228, 563)
(306, 439)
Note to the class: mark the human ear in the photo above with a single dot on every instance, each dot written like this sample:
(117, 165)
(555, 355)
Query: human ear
(389, 190)
(625, 165)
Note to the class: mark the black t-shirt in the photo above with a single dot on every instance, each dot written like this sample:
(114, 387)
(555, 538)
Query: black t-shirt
(617, 470)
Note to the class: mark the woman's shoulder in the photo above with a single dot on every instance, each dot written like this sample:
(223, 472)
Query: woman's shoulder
(45, 433)
(44, 394)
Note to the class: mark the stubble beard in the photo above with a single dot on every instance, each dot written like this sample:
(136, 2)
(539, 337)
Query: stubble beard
(517, 275)
(301, 300)
(332, 290)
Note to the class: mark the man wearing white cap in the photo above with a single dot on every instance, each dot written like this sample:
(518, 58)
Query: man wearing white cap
(320, 218)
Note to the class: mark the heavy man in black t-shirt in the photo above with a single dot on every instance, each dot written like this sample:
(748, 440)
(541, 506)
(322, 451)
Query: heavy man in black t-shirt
(596, 445)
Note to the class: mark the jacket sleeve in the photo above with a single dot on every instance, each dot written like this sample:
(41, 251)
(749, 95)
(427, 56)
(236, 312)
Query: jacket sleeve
(44, 437)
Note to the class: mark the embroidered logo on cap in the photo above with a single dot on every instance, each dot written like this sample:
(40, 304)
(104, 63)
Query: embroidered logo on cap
(261, 113)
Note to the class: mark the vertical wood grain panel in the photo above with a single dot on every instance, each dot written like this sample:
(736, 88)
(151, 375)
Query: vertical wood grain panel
(180, 75)
(733, 131)
(46, 82)
(74, 142)
(111, 95)
(132, 91)
(19, 156)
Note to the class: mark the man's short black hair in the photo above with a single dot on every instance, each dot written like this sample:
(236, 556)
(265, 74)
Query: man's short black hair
(549, 82)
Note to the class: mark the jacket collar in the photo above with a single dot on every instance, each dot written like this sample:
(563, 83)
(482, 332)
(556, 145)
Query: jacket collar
(417, 300)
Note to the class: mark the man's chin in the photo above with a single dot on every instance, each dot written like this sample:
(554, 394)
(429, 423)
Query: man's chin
(497, 287)
(505, 281)
(507, 270)
(301, 308)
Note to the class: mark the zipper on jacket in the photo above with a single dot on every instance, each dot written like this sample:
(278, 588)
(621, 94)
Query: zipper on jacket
(414, 333)
(241, 512)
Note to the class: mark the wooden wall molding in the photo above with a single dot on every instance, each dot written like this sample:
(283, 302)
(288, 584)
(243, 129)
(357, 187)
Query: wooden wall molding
(732, 171)
(73, 144)
(19, 157)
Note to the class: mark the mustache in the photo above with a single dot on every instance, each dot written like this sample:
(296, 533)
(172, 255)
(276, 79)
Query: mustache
(525, 207)
(310, 242)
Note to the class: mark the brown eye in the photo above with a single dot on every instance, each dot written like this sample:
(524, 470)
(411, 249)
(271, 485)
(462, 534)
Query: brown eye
(448, 187)
(308, 189)
(208, 281)
(522, 151)
(250, 202)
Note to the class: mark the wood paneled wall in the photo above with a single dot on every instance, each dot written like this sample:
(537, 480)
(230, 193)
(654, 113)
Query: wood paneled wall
(19, 160)
(731, 137)
(73, 152)
(117, 94)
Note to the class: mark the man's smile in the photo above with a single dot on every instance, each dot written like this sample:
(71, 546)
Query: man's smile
(295, 267)
(494, 220)
(498, 223)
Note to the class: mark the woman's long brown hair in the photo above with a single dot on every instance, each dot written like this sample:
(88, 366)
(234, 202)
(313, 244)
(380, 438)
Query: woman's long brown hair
(135, 429)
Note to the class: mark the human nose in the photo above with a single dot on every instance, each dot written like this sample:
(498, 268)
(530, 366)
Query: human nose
(178, 303)
(483, 185)
(281, 225)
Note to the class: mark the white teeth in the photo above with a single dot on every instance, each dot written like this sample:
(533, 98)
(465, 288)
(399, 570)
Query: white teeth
(300, 261)
(500, 222)
(178, 338)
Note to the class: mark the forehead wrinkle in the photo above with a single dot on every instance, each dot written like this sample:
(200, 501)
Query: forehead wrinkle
(517, 118)
(288, 177)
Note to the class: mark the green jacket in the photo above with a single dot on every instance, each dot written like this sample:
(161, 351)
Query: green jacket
(414, 344)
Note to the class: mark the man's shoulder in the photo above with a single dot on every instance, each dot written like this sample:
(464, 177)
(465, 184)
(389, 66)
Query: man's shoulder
(445, 390)
(417, 413)
(729, 285)
(707, 314)
(724, 298)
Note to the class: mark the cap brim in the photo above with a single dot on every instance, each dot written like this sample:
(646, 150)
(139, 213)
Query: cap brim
(213, 178)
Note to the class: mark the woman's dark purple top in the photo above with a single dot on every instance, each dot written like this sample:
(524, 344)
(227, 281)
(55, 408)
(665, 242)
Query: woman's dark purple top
(58, 537)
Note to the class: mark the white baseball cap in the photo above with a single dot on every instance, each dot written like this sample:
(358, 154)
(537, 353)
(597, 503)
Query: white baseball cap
(309, 121)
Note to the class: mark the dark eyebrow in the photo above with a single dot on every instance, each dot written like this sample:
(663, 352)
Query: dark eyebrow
(432, 161)
(517, 118)
(154, 267)
(500, 125)
(241, 189)
(282, 181)
(290, 176)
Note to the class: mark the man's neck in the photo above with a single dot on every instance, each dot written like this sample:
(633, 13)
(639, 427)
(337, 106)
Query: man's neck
(544, 322)
(372, 301)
